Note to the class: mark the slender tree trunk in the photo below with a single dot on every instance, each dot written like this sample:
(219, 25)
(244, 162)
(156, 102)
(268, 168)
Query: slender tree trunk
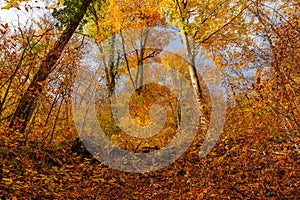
(140, 60)
(190, 55)
(127, 62)
(11, 80)
(111, 70)
(27, 101)
(192, 69)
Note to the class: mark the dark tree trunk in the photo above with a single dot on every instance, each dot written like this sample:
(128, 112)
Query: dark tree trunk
(26, 103)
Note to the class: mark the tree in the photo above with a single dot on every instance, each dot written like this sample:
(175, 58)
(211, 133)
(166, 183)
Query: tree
(278, 86)
(116, 17)
(27, 101)
(202, 22)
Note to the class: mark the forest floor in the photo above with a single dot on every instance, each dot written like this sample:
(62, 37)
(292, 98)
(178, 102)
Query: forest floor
(244, 166)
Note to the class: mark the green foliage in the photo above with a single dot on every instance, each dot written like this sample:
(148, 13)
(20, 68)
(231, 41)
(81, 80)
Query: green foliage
(67, 12)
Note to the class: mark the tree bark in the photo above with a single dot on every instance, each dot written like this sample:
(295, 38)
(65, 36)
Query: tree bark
(192, 69)
(190, 56)
(26, 103)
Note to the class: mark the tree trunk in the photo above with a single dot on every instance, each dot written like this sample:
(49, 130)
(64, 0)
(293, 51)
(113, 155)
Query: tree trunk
(195, 80)
(192, 69)
(27, 101)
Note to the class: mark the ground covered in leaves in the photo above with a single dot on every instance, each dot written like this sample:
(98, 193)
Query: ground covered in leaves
(256, 166)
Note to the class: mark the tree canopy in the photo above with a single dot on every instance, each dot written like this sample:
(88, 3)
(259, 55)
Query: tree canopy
(84, 56)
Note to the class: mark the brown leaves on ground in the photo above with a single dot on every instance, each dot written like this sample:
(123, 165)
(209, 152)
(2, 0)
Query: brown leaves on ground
(256, 166)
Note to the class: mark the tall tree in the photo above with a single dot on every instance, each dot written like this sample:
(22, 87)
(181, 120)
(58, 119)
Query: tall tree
(115, 18)
(26, 103)
(200, 23)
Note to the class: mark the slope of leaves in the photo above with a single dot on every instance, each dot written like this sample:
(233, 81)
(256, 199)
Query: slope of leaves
(253, 161)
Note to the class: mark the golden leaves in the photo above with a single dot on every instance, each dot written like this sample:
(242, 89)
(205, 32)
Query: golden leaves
(123, 15)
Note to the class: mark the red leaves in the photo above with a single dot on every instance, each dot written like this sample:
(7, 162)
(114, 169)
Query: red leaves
(273, 63)
(258, 80)
(3, 32)
(5, 26)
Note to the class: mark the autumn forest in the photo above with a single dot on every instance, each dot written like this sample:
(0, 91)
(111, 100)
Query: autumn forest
(149, 99)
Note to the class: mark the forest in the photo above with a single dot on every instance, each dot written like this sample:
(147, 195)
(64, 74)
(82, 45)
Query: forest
(149, 99)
